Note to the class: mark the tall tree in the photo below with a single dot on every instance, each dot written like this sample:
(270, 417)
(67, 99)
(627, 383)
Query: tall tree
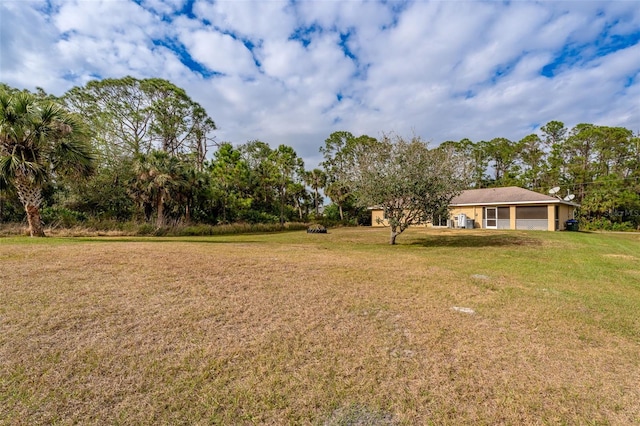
(179, 124)
(288, 169)
(473, 159)
(39, 140)
(502, 155)
(580, 153)
(554, 137)
(531, 156)
(132, 116)
(257, 156)
(229, 174)
(340, 151)
(120, 114)
(316, 179)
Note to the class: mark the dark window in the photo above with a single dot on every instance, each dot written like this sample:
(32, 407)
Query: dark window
(531, 212)
(503, 213)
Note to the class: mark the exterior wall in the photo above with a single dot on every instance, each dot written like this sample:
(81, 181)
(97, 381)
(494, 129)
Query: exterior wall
(377, 214)
(473, 212)
(551, 217)
(476, 212)
(565, 213)
(512, 217)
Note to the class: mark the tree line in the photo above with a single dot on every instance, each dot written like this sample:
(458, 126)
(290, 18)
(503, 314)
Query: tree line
(142, 150)
(598, 165)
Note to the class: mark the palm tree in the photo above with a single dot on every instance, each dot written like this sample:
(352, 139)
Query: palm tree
(339, 194)
(158, 178)
(316, 179)
(39, 140)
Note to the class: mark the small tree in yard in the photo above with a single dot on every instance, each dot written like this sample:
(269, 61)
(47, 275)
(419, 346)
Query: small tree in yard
(409, 181)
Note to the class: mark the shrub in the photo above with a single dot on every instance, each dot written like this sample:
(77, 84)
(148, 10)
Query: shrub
(254, 216)
(146, 229)
(60, 216)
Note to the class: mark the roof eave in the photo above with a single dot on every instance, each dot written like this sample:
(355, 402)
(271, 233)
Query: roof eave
(498, 203)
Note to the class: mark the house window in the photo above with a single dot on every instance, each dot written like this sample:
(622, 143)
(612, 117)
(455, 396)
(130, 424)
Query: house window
(504, 214)
(531, 212)
(532, 218)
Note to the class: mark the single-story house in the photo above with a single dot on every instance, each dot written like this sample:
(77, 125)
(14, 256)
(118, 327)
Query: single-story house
(502, 208)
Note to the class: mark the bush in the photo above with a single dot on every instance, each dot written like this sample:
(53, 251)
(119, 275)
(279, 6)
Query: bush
(605, 224)
(254, 216)
(60, 216)
(227, 229)
(146, 229)
(93, 226)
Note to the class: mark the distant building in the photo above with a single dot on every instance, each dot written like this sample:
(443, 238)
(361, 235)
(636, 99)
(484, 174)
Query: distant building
(501, 208)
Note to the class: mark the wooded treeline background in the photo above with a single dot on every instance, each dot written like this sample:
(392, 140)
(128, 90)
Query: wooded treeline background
(157, 162)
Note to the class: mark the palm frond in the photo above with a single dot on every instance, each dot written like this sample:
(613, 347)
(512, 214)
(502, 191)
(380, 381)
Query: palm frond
(38, 137)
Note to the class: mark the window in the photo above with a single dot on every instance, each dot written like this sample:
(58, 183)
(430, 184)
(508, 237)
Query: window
(503, 213)
(533, 218)
(531, 212)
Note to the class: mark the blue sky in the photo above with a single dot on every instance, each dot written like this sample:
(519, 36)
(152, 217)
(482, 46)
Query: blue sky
(292, 72)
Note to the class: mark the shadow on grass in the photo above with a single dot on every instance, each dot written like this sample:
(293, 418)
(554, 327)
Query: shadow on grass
(485, 240)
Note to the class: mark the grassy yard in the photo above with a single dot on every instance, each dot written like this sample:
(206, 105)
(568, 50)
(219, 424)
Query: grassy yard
(448, 327)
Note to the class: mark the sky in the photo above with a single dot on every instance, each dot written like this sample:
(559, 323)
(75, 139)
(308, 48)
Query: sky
(293, 72)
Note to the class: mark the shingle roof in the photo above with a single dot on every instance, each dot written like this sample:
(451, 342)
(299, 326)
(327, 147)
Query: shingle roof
(509, 194)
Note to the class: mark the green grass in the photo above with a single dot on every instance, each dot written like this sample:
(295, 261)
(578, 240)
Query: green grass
(337, 328)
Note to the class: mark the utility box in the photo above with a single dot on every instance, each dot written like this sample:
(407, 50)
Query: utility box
(462, 220)
(470, 224)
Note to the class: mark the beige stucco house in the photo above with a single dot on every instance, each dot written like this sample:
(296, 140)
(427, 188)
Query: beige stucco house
(502, 208)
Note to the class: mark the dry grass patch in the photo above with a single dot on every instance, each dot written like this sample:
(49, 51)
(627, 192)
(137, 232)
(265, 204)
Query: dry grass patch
(320, 329)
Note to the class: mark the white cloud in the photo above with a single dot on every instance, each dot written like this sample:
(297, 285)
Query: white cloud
(219, 52)
(106, 19)
(256, 20)
(444, 70)
(23, 50)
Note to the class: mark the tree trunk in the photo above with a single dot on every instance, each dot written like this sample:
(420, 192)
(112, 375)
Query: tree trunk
(30, 195)
(341, 213)
(160, 220)
(394, 234)
(35, 223)
(316, 201)
(282, 209)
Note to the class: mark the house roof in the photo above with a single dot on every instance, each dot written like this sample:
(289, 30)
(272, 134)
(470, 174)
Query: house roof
(504, 195)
